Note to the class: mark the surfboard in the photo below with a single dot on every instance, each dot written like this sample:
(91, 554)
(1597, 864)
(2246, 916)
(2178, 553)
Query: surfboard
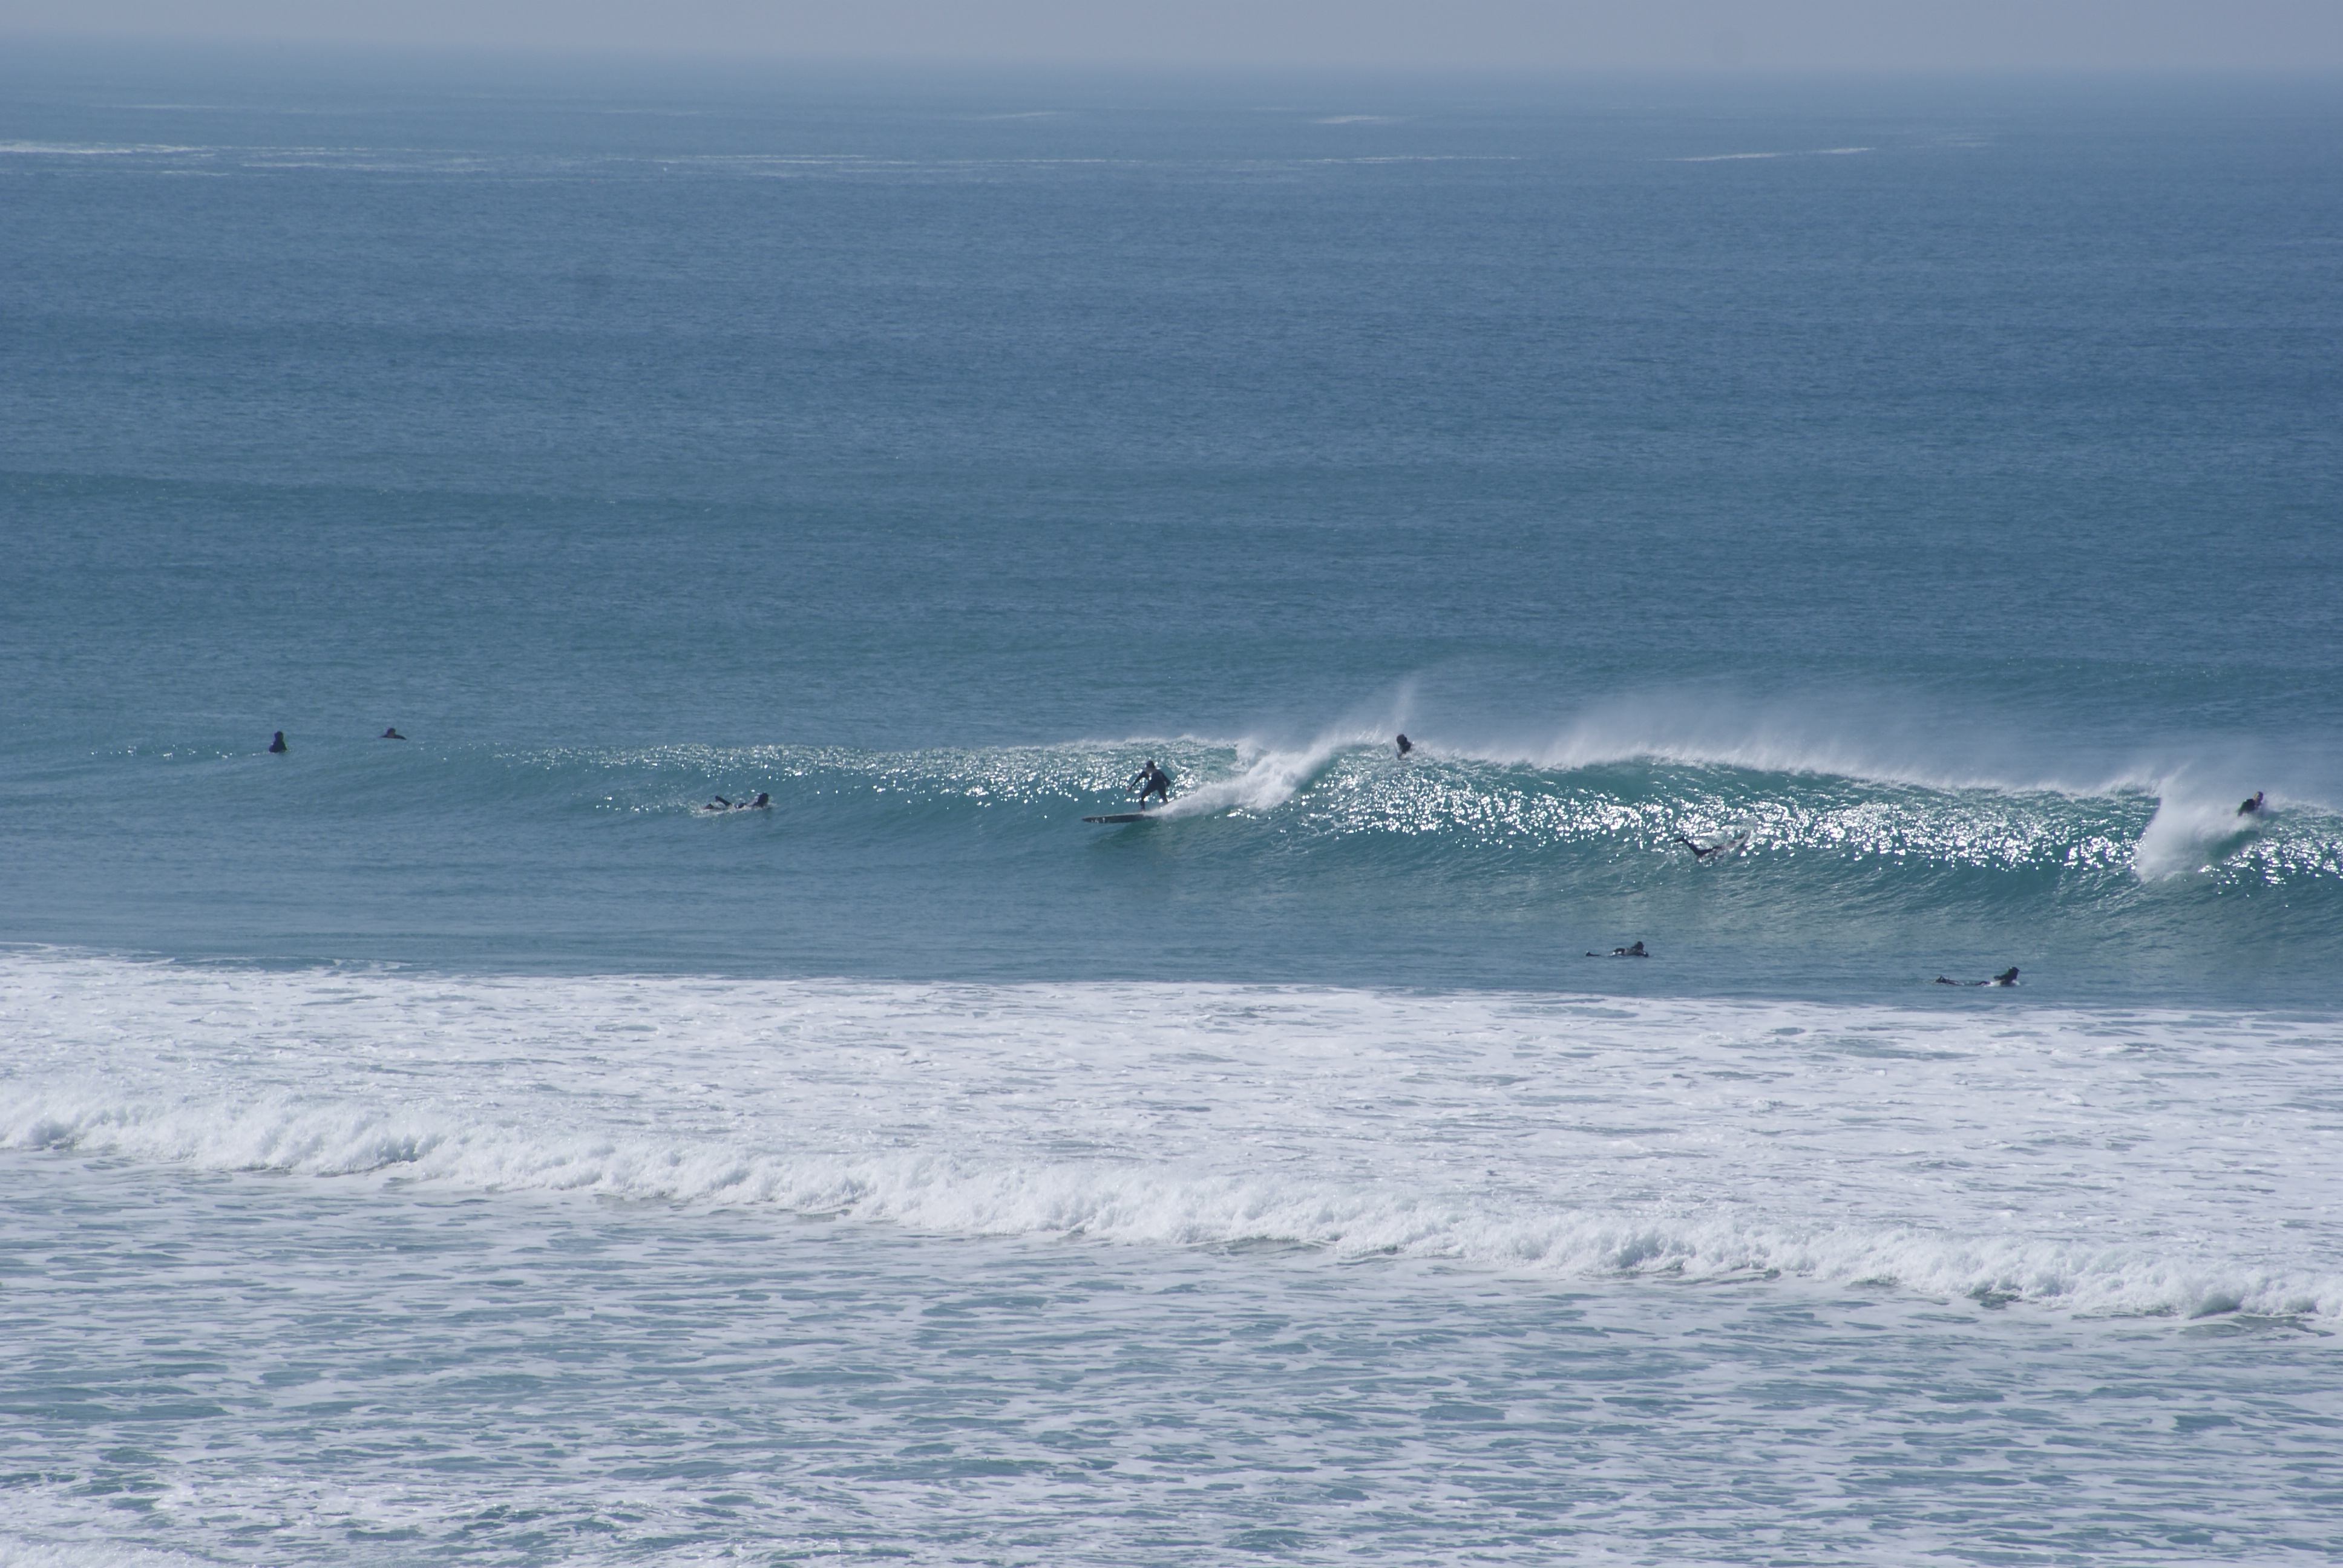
(1122, 817)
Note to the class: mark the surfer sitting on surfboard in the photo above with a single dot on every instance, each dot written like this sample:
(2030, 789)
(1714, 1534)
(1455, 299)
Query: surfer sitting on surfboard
(1151, 781)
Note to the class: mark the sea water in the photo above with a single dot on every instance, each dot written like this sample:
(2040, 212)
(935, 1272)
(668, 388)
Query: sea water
(473, 1149)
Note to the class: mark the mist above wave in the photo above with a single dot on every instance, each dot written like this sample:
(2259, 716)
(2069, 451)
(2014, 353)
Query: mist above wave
(1599, 781)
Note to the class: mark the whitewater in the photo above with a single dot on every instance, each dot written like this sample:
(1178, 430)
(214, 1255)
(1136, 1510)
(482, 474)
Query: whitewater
(310, 1264)
(2137, 1162)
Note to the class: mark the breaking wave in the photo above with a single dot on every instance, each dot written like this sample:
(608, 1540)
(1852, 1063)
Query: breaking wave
(2099, 1162)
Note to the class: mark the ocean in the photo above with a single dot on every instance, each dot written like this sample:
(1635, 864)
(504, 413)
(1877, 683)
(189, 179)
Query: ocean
(1922, 498)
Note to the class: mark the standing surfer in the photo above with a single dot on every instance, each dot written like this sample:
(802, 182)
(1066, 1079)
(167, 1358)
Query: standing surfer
(1151, 781)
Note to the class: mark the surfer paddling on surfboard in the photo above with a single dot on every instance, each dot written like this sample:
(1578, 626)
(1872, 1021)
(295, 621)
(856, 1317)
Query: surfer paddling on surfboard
(2007, 978)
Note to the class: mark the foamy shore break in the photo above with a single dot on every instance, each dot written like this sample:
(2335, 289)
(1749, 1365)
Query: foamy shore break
(2094, 1162)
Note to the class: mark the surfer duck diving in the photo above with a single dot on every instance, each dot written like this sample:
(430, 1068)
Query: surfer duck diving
(1700, 851)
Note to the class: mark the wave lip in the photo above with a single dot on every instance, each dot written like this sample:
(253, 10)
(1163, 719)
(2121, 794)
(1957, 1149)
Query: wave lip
(2093, 1162)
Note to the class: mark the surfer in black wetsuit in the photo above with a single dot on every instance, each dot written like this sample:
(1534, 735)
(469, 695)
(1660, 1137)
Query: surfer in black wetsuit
(277, 747)
(1151, 781)
(2252, 807)
(1635, 952)
(763, 802)
(1703, 851)
(1405, 745)
(392, 734)
(2007, 977)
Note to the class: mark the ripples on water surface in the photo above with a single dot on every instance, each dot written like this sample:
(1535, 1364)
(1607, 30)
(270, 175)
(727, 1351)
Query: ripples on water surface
(468, 1150)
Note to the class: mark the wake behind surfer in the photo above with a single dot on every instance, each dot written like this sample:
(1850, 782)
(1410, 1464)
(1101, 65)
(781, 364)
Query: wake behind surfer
(1151, 781)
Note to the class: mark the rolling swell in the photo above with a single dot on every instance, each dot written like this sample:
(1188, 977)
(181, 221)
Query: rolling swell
(1335, 792)
(1330, 860)
(1628, 814)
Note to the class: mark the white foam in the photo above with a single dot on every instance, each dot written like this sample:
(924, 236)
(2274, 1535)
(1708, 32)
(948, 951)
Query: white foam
(2122, 1163)
(93, 149)
(1744, 157)
(1268, 777)
(24, 1552)
(2193, 827)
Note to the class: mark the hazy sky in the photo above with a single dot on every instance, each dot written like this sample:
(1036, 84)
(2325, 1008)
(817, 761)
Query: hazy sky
(1762, 35)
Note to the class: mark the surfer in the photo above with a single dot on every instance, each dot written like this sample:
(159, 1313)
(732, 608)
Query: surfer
(2007, 977)
(763, 802)
(1405, 745)
(1151, 781)
(2252, 807)
(1703, 851)
(1635, 951)
(392, 734)
(277, 747)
